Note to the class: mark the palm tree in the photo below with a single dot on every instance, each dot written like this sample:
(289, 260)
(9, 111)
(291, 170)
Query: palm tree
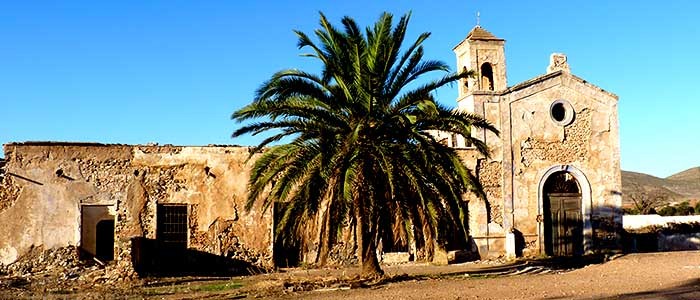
(361, 149)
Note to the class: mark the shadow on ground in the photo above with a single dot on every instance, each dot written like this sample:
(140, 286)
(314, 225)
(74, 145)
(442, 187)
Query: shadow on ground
(556, 264)
(544, 265)
(153, 259)
(688, 290)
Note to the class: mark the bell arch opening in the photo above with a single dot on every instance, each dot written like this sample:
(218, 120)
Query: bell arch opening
(465, 82)
(487, 76)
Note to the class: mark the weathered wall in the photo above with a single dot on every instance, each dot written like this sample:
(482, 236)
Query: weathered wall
(589, 143)
(44, 208)
(530, 144)
(46, 184)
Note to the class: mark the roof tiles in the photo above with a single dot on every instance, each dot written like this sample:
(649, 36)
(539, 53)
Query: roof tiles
(478, 33)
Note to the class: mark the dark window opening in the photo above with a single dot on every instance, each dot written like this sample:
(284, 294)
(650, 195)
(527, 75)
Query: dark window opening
(487, 76)
(104, 241)
(172, 226)
(559, 112)
(465, 81)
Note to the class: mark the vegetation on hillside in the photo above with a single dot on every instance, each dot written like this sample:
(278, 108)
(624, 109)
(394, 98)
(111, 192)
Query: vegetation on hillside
(677, 194)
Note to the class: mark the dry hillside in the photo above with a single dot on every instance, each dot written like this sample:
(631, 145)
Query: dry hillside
(675, 188)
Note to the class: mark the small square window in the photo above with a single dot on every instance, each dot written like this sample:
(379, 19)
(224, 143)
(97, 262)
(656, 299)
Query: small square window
(172, 226)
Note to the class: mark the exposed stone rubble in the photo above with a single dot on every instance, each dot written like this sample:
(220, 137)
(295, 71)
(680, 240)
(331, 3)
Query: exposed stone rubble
(60, 269)
(53, 182)
(572, 148)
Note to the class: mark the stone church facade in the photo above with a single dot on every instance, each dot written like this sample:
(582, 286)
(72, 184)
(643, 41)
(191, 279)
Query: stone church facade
(552, 182)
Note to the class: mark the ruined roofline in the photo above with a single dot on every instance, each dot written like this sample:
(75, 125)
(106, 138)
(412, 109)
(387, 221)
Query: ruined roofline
(96, 144)
(548, 76)
(594, 86)
(542, 78)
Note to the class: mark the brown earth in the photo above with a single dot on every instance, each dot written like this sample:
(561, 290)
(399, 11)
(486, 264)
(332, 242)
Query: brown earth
(664, 275)
(667, 275)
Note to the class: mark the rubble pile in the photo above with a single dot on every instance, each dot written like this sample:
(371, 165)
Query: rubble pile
(60, 269)
(38, 260)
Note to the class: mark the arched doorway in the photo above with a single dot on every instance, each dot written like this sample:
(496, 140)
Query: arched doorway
(547, 189)
(563, 222)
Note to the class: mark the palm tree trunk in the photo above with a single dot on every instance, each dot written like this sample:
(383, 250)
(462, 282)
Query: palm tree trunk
(324, 238)
(323, 223)
(366, 243)
(428, 239)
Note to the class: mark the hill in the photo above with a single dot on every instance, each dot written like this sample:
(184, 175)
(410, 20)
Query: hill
(686, 183)
(692, 174)
(678, 187)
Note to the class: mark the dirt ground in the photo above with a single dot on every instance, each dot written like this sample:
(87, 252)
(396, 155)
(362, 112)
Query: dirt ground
(664, 275)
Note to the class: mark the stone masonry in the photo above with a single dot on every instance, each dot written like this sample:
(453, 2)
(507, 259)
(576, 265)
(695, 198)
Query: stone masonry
(553, 123)
(47, 185)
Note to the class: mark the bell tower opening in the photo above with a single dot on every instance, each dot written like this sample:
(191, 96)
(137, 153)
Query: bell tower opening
(486, 77)
(484, 54)
(465, 82)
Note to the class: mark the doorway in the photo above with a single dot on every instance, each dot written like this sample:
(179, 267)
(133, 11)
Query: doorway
(562, 212)
(97, 231)
(104, 242)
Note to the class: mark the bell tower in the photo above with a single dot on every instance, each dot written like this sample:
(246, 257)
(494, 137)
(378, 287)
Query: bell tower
(483, 53)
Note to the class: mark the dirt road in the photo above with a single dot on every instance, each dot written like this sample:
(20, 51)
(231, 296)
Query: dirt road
(667, 275)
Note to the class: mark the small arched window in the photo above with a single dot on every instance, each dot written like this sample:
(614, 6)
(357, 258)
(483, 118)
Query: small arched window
(465, 81)
(487, 77)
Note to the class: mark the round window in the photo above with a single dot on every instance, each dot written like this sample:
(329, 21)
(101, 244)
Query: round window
(561, 112)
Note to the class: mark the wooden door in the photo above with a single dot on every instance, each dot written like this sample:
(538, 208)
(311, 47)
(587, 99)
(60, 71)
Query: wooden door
(565, 225)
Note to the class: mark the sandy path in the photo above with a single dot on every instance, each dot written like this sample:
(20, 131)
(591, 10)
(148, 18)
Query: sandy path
(667, 275)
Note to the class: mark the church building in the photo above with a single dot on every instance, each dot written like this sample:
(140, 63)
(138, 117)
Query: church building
(553, 180)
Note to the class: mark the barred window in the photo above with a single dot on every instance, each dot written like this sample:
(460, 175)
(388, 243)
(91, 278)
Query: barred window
(172, 225)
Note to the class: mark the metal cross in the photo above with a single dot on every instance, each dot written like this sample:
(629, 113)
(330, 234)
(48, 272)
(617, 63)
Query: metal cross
(478, 17)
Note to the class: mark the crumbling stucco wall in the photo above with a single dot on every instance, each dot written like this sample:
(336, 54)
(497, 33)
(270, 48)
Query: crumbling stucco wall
(212, 182)
(486, 215)
(589, 143)
(47, 183)
(531, 143)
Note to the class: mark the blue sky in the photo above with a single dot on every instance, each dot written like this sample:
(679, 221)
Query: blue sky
(174, 71)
